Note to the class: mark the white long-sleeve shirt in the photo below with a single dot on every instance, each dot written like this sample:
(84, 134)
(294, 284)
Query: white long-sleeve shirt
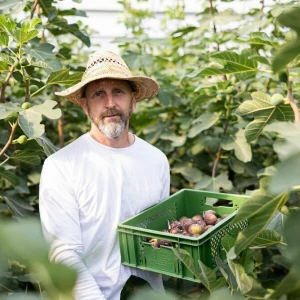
(86, 189)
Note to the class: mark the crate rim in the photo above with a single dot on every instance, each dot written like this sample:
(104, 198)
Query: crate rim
(209, 193)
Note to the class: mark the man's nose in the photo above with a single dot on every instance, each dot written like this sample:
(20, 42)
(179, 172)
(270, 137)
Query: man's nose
(110, 101)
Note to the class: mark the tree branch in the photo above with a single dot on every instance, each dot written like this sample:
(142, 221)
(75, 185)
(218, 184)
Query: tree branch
(3, 87)
(292, 101)
(219, 153)
(13, 129)
(34, 8)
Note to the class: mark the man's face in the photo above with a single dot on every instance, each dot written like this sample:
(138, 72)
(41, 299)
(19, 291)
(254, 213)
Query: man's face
(109, 104)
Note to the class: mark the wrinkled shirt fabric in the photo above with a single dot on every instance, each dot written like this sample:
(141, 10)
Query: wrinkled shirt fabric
(86, 189)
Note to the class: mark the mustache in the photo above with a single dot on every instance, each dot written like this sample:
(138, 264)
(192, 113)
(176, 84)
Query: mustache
(110, 112)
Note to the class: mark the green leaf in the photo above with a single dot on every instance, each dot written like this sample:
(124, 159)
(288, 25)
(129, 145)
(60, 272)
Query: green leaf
(4, 39)
(289, 285)
(263, 112)
(292, 237)
(47, 145)
(258, 210)
(286, 175)
(239, 144)
(232, 63)
(287, 143)
(290, 19)
(220, 19)
(225, 294)
(246, 284)
(30, 119)
(214, 184)
(6, 23)
(17, 205)
(72, 12)
(47, 9)
(247, 262)
(44, 53)
(39, 64)
(227, 273)
(23, 37)
(177, 141)
(285, 55)
(8, 109)
(28, 25)
(260, 38)
(22, 186)
(227, 242)
(24, 240)
(10, 176)
(188, 172)
(6, 58)
(11, 6)
(202, 123)
(27, 156)
(59, 26)
(3, 66)
(63, 77)
(266, 238)
(268, 171)
(277, 223)
(209, 279)
(186, 258)
(62, 277)
(28, 296)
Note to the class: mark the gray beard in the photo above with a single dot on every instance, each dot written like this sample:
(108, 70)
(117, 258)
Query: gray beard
(112, 130)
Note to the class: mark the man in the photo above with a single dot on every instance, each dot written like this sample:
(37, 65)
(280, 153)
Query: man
(101, 179)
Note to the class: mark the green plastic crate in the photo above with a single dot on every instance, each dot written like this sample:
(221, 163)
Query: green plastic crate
(134, 233)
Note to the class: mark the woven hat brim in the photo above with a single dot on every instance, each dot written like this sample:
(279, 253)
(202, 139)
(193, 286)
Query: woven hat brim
(147, 88)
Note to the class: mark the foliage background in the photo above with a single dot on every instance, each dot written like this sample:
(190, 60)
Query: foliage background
(216, 118)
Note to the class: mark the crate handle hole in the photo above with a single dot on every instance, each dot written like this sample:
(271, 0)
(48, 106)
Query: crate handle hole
(215, 202)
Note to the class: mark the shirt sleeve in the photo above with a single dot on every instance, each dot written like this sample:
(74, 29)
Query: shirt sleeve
(59, 215)
(166, 180)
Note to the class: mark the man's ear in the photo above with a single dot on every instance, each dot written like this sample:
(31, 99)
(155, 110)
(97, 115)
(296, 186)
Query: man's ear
(83, 104)
(133, 100)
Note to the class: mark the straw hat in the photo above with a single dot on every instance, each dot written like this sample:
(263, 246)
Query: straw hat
(106, 64)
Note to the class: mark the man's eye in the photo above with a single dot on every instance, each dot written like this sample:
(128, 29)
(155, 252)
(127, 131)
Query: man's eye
(98, 94)
(118, 91)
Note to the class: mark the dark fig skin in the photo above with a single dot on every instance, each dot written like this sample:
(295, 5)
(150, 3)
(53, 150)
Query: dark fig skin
(186, 223)
(210, 219)
(201, 222)
(175, 230)
(165, 243)
(218, 220)
(207, 227)
(224, 216)
(186, 233)
(210, 211)
(155, 244)
(181, 220)
(196, 229)
(175, 224)
(197, 218)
